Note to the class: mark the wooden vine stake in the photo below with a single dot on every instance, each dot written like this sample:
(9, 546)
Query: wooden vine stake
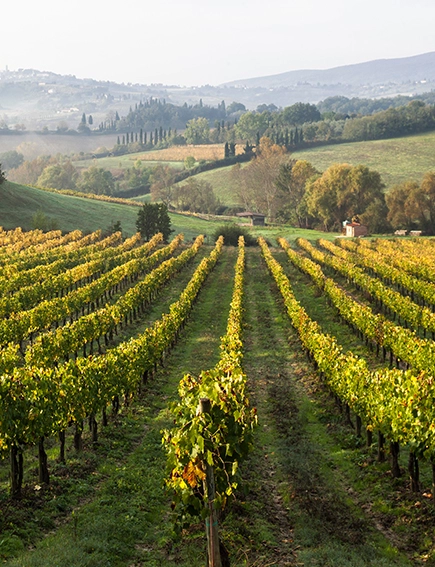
(211, 522)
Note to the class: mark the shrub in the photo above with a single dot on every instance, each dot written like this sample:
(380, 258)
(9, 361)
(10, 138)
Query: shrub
(231, 233)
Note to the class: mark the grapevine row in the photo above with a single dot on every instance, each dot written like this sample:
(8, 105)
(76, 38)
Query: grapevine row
(221, 437)
(413, 260)
(37, 401)
(29, 259)
(403, 343)
(373, 262)
(414, 315)
(15, 279)
(60, 343)
(399, 404)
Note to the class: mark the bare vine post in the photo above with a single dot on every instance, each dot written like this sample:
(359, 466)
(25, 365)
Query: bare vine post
(211, 522)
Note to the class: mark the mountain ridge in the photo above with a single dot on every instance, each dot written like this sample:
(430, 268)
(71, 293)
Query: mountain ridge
(415, 68)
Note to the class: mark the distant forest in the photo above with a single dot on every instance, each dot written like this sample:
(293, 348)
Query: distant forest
(334, 120)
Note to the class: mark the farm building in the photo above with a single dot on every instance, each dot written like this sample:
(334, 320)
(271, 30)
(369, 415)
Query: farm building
(355, 229)
(257, 219)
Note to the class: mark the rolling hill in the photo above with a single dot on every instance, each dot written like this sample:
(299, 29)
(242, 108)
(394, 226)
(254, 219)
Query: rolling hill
(396, 159)
(19, 204)
(379, 72)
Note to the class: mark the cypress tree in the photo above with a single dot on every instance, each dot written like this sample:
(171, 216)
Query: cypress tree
(296, 138)
(123, 140)
(226, 150)
(118, 142)
(145, 138)
(151, 138)
(141, 135)
(127, 136)
(257, 141)
(160, 134)
(156, 136)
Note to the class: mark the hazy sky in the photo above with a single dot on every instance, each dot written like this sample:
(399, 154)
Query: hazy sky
(195, 42)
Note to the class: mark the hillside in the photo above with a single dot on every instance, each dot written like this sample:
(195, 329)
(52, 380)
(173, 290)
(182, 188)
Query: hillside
(379, 72)
(397, 159)
(19, 203)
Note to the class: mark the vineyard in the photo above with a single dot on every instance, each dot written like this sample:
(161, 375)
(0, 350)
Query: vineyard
(316, 362)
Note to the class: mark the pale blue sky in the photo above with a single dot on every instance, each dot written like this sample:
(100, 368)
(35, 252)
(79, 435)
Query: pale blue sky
(195, 42)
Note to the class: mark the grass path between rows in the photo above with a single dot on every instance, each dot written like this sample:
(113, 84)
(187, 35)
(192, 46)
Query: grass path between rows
(126, 521)
(304, 511)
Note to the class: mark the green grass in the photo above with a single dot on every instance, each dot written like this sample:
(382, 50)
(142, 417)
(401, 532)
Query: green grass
(123, 162)
(397, 160)
(18, 204)
(223, 183)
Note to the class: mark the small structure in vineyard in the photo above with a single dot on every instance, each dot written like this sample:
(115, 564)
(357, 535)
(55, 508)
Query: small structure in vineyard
(354, 229)
(257, 219)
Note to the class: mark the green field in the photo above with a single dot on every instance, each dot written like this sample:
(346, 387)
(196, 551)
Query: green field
(123, 162)
(223, 184)
(397, 160)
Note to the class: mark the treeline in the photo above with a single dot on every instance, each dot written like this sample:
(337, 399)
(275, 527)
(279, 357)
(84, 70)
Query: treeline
(156, 113)
(337, 119)
(343, 107)
(59, 172)
(290, 128)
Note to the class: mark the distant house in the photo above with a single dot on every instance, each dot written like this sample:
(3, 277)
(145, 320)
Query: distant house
(257, 219)
(355, 229)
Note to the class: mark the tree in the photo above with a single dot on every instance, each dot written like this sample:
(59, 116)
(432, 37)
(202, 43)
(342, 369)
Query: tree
(250, 124)
(96, 180)
(162, 179)
(11, 159)
(235, 107)
(197, 196)
(291, 183)
(90, 120)
(411, 205)
(29, 171)
(256, 182)
(153, 218)
(62, 127)
(2, 175)
(83, 128)
(300, 113)
(59, 176)
(197, 131)
(344, 191)
(43, 222)
(189, 162)
(400, 213)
